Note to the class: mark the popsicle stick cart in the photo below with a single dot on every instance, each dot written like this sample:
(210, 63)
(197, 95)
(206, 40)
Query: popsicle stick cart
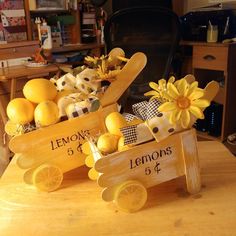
(125, 176)
(56, 149)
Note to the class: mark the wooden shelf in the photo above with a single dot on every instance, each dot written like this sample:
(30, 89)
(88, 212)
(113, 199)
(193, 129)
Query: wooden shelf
(77, 47)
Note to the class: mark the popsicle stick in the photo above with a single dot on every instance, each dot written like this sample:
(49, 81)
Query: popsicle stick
(211, 90)
(123, 80)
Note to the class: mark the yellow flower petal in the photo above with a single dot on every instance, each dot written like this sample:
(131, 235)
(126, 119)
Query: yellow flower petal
(172, 90)
(196, 94)
(154, 85)
(197, 112)
(171, 79)
(192, 87)
(200, 103)
(185, 119)
(174, 116)
(182, 87)
(167, 106)
(152, 93)
(178, 115)
(162, 84)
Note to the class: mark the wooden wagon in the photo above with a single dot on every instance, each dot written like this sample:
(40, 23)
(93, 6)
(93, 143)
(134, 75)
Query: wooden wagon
(126, 175)
(47, 153)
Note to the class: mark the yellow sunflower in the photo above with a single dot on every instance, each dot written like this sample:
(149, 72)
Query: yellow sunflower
(159, 90)
(184, 100)
(95, 61)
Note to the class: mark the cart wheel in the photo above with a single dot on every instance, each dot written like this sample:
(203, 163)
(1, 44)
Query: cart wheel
(47, 177)
(130, 196)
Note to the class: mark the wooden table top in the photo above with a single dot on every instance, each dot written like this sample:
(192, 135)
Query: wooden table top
(16, 72)
(77, 209)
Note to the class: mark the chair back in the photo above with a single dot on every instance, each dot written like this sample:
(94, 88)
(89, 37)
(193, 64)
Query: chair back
(152, 30)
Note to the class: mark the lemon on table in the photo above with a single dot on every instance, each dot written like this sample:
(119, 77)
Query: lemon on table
(20, 111)
(107, 143)
(130, 196)
(39, 90)
(13, 129)
(114, 121)
(47, 177)
(46, 113)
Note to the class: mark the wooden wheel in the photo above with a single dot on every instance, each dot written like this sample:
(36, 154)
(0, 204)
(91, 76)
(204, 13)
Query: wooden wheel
(47, 178)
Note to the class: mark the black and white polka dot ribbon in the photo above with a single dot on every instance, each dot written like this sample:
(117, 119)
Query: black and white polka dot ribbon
(156, 124)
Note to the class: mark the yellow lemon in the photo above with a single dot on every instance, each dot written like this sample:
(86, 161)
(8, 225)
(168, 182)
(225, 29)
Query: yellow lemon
(114, 121)
(107, 143)
(39, 90)
(46, 113)
(20, 111)
(121, 145)
(13, 129)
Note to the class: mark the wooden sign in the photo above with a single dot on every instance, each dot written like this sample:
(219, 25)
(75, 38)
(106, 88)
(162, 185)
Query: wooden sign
(150, 164)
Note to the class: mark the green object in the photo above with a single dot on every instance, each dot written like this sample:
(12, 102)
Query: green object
(67, 20)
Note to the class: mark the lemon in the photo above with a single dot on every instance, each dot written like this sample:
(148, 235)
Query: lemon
(20, 111)
(47, 177)
(39, 90)
(46, 113)
(107, 143)
(114, 121)
(121, 145)
(130, 196)
(13, 129)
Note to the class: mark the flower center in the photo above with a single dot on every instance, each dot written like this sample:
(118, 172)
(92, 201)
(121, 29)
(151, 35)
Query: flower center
(183, 102)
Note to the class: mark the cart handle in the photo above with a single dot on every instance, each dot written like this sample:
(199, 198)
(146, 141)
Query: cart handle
(123, 80)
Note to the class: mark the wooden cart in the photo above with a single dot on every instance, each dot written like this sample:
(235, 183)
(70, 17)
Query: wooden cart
(125, 176)
(47, 153)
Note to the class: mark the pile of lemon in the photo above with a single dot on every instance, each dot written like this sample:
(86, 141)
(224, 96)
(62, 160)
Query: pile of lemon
(38, 106)
(113, 140)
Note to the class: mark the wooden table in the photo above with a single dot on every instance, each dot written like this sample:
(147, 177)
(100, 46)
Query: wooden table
(77, 209)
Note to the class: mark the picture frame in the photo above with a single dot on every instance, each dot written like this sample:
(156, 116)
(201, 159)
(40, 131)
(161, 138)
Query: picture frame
(51, 4)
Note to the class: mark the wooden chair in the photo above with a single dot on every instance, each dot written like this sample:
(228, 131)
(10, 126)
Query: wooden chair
(149, 29)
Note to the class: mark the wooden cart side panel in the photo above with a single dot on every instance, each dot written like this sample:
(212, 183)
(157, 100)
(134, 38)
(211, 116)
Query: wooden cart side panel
(191, 162)
(150, 163)
(54, 136)
(118, 160)
(67, 158)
